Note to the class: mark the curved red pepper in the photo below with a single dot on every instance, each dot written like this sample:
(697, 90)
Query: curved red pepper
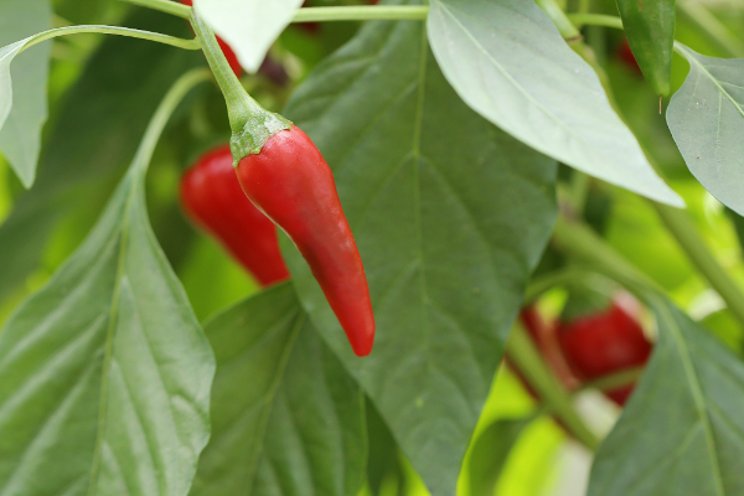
(232, 59)
(605, 343)
(291, 183)
(213, 199)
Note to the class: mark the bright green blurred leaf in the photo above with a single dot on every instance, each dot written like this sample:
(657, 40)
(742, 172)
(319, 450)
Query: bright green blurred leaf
(248, 26)
(649, 27)
(450, 215)
(509, 63)
(682, 432)
(287, 418)
(490, 452)
(23, 101)
(706, 117)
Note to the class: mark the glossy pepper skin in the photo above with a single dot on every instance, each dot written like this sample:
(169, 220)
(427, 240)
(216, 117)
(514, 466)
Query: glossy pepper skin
(291, 183)
(213, 199)
(232, 59)
(604, 343)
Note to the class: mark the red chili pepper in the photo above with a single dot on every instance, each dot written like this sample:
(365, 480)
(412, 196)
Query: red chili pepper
(289, 180)
(605, 343)
(232, 59)
(213, 199)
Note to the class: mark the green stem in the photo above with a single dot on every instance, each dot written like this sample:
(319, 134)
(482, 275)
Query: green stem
(167, 6)
(614, 381)
(526, 357)
(251, 124)
(584, 244)
(114, 30)
(167, 106)
(559, 18)
(568, 276)
(607, 21)
(679, 225)
(362, 13)
(315, 14)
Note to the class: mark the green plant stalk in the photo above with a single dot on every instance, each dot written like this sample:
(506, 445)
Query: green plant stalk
(699, 254)
(614, 381)
(362, 13)
(583, 243)
(112, 30)
(525, 356)
(314, 14)
(571, 275)
(167, 106)
(559, 18)
(251, 124)
(607, 21)
(167, 6)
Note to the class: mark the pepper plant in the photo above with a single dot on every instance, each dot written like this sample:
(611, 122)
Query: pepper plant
(255, 247)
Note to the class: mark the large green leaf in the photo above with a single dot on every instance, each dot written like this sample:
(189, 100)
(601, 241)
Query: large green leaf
(682, 433)
(287, 418)
(23, 107)
(105, 372)
(93, 138)
(450, 215)
(248, 26)
(650, 30)
(706, 118)
(509, 63)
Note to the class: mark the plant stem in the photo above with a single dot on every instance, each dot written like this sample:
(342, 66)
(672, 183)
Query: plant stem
(362, 13)
(167, 106)
(567, 276)
(614, 381)
(607, 21)
(559, 18)
(583, 243)
(167, 6)
(679, 225)
(315, 14)
(526, 357)
(113, 30)
(251, 124)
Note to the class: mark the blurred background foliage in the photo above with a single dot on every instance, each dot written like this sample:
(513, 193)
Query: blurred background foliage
(542, 460)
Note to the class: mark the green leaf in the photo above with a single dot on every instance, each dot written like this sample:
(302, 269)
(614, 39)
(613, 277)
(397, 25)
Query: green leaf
(650, 30)
(490, 452)
(450, 216)
(91, 140)
(508, 62)
(682, 432)
(248, 26)
(105, 372)
(706, 118)
(287, 418)
(23, 105)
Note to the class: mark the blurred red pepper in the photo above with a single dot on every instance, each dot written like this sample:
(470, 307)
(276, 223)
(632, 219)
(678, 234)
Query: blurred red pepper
(212, 198)
(289, 180)
(604, 343)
